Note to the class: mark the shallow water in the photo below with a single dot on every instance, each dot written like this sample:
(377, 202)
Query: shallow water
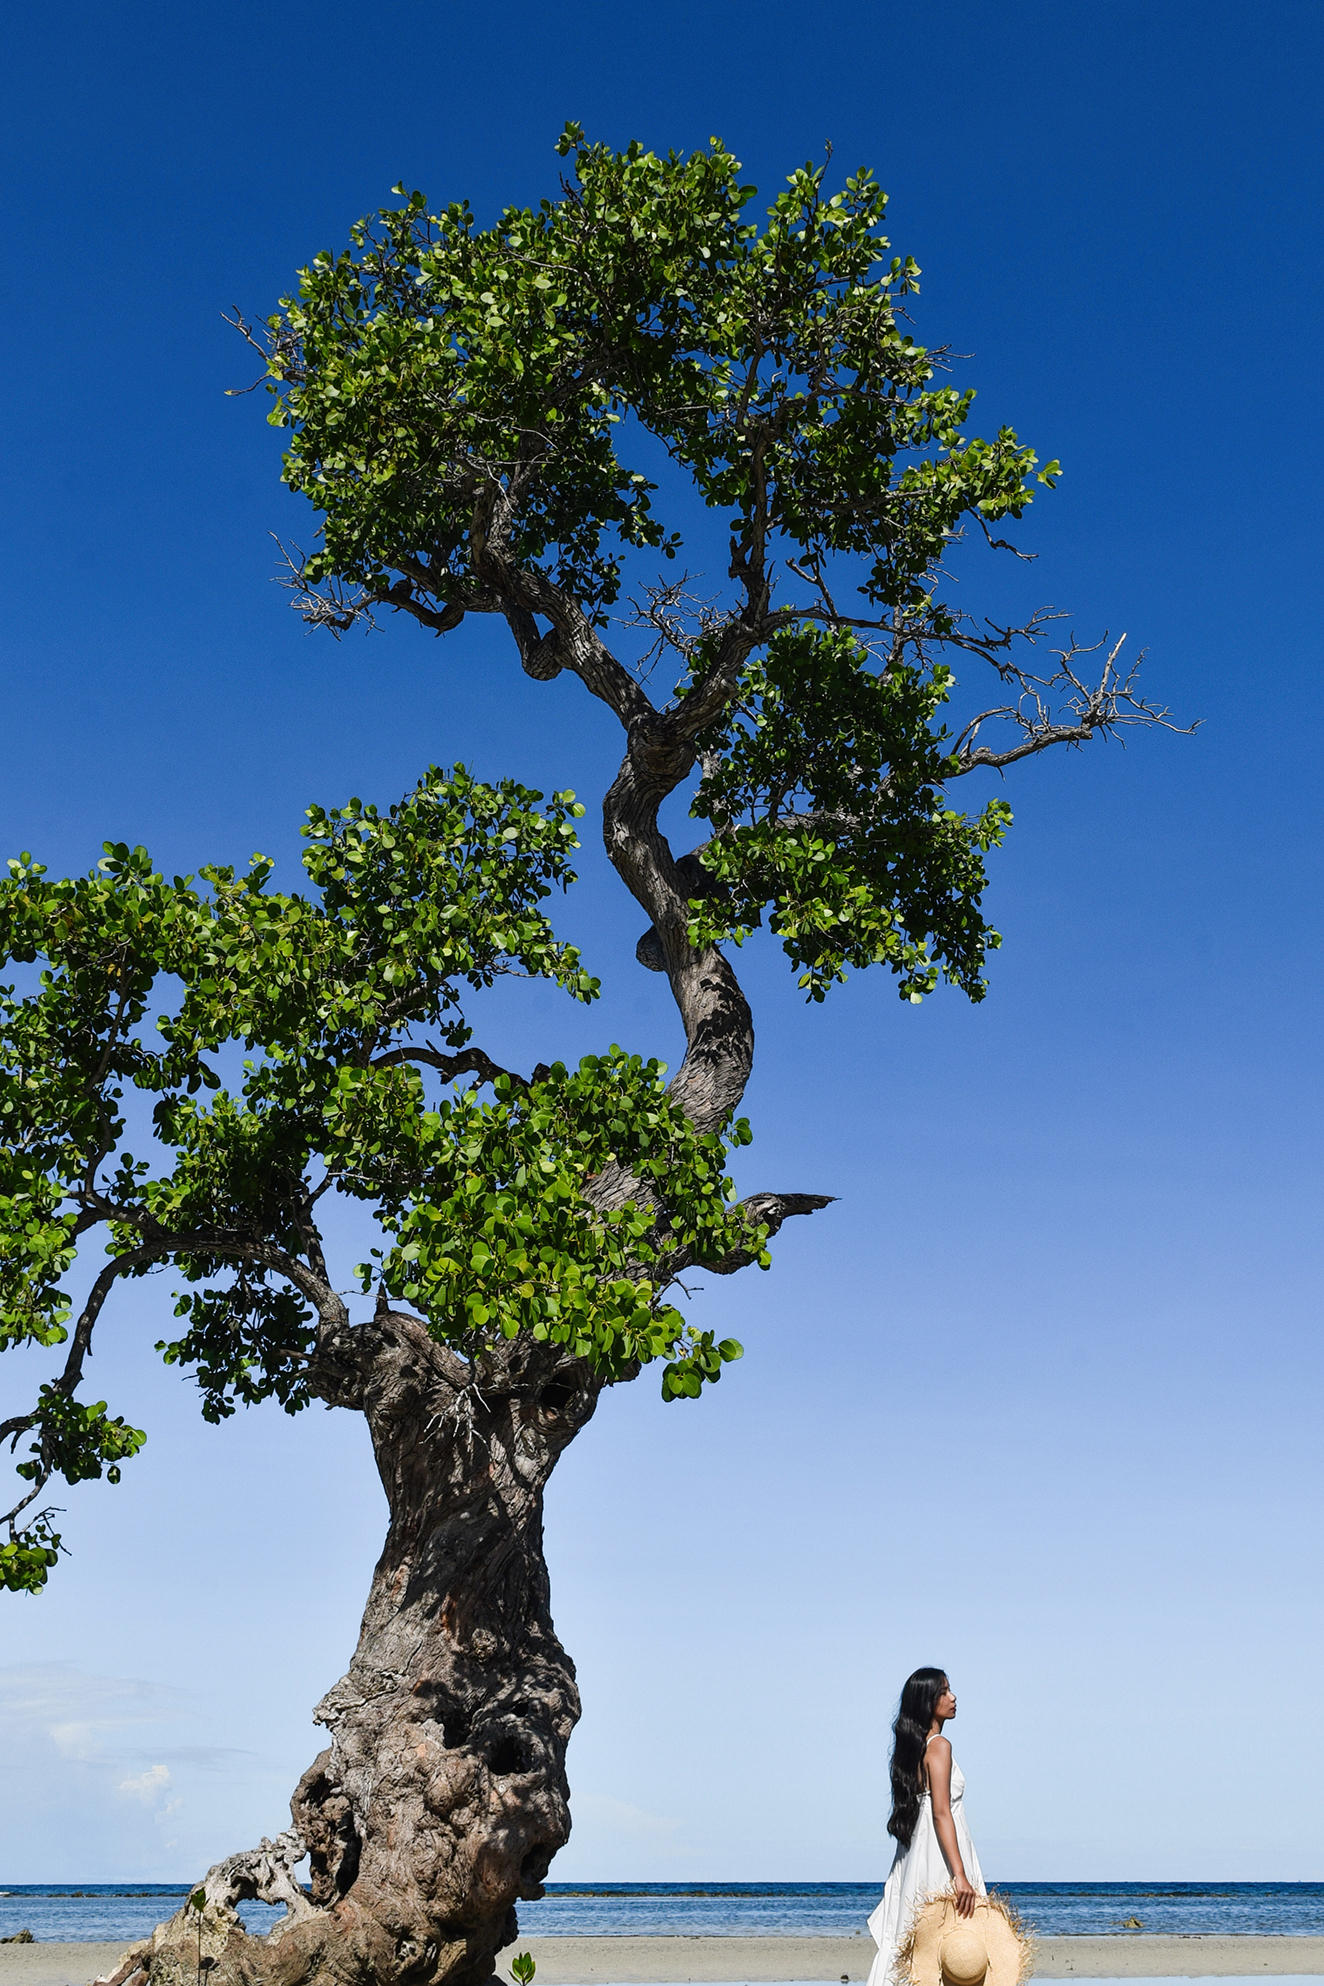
(109, 1911)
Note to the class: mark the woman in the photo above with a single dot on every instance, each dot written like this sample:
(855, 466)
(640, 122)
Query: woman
(934, 1852)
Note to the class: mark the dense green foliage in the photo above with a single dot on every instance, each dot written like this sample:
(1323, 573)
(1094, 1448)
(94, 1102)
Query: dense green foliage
(433, 364)
(486, 1227)
(467, 408)
(860, 859)
(768, 359)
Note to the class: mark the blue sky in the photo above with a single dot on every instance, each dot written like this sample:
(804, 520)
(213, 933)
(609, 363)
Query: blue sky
(1039, 1398)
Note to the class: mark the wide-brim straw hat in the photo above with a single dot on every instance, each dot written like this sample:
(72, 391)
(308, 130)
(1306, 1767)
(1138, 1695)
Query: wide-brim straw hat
(988, 1948)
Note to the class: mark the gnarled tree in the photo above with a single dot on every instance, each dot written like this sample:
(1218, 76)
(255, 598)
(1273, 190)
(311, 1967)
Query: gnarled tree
(463, 406)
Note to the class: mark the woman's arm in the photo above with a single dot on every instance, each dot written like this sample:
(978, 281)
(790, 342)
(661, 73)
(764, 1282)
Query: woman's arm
(938, 1760)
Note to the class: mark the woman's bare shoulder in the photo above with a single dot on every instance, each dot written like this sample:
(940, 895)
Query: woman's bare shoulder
(938, 1747)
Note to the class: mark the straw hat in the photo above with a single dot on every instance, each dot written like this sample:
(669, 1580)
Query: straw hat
(989, 1948)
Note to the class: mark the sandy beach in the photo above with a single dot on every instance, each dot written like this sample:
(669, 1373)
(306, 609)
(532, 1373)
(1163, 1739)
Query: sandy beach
(676, 1961)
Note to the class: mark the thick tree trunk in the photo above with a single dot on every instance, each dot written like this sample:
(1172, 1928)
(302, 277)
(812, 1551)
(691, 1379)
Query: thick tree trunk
(442, 1795)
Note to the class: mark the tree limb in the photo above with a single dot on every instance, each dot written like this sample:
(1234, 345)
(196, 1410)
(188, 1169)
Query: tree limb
(659, 755)
(468, 1061)
(81, 1342)
(767, 1210)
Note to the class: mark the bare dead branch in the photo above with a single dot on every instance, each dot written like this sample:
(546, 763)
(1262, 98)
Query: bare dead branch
(335, 605)
(1063, 707)
(680, 620)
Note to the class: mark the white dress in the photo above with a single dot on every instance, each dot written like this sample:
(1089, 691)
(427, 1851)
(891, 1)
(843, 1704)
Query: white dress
(919, 1872)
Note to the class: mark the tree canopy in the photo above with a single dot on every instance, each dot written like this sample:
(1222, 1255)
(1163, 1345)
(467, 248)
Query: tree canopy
(482, 1201)
(467, 409)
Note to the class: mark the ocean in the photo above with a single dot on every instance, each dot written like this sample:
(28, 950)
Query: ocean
(110, 1911)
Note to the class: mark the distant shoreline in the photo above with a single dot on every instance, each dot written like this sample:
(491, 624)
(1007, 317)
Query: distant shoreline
(777, 1961)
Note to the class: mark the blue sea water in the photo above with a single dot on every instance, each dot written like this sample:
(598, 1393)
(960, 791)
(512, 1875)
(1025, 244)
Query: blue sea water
(111, 1911)
(838, 1909)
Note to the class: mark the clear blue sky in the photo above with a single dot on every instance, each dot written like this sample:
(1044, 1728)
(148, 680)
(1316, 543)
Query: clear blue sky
(1040, 1398)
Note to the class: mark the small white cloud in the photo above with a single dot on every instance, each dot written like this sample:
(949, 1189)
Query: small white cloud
(38, 1691)
(80, 1713)
(78, 1741)
(211, 1758)
(147, 1784)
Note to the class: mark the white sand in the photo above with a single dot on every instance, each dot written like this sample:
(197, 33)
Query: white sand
(1189, 1957)
(677, 1961)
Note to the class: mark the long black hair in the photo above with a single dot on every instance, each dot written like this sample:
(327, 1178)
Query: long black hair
(910, 1734)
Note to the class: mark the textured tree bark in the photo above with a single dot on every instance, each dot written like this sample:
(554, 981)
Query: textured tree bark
(442, 1795)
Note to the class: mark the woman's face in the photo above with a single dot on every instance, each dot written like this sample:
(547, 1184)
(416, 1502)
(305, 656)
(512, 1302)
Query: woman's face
(945, 1707)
